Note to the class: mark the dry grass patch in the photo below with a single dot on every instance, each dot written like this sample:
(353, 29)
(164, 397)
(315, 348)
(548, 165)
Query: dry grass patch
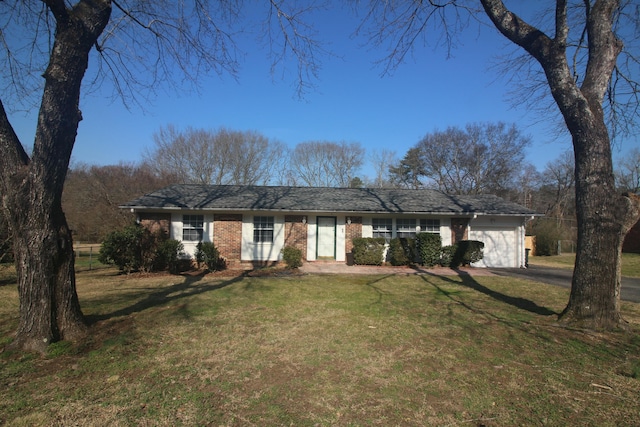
(321, 351)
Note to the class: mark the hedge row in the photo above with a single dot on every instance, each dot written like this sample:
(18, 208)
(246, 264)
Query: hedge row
(426, 249)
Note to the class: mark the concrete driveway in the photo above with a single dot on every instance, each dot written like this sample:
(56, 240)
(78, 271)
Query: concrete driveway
(562, 277)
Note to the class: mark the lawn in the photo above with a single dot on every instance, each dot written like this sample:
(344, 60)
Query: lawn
(322, 351)
(630, 262)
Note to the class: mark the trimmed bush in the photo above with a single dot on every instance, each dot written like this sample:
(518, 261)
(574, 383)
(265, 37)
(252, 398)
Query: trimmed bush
(130, 249)
(168, 256)
(446, 255)
(135, 248)
(429, 247)
(402, 251)
(292, 257)
(208, 254)
(368, 250)
(467, 252)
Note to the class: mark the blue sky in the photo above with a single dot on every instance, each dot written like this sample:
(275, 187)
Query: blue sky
(352, 102)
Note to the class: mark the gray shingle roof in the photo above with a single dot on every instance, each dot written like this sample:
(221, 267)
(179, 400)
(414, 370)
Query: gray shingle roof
(315, 199)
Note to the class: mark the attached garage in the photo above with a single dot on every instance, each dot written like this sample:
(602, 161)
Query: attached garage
(503, 244)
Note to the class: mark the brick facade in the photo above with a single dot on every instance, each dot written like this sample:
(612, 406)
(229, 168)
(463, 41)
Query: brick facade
(156, 222)
(227, 236)
(459, 229)
(353, 231)
(295, 233)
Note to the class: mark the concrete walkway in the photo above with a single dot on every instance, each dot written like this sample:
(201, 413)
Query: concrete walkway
(332, 267)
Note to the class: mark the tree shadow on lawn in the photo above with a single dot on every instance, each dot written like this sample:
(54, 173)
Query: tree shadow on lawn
(468, 281)
(188, 287)
(376, 289)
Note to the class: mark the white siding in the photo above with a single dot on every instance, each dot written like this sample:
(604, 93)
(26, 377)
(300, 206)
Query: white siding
(311, 237)
(175, 231)
(445, 231)
(251, 251)
(367, 228)
(341, 249)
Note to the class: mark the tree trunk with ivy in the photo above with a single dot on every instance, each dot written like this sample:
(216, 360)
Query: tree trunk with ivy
(32, 186)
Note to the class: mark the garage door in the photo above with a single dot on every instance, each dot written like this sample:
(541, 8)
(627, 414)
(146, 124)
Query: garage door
(500, 246)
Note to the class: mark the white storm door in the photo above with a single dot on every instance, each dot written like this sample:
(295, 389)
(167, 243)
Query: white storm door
(326, 237)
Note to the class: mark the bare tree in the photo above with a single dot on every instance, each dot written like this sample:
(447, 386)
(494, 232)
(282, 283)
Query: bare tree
(628, 172)
(579, 51)
(326, 164)
(524, 187)
(558, 186)
(382, 160)
(482, 158)
(45, 48)
(92, 195)
(215, 157)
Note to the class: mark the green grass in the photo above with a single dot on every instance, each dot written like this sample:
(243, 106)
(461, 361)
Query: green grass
(322, 351)
(630, 262)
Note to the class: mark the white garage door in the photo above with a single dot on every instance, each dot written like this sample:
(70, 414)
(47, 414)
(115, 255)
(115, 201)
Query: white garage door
(500, 246)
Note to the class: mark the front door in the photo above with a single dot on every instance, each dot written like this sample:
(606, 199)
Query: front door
(326, 237)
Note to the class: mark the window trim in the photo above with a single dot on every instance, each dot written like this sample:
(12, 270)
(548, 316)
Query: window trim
(430, 225)
(407, 231)
(388, 231)
(262, 225)
(192, 223)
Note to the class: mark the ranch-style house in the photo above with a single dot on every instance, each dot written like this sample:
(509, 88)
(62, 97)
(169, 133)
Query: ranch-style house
(254, 223)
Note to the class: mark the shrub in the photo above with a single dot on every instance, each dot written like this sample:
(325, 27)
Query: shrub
(292, 257)
(467, 252)
(168, 256)
(128, 249)
(135, 248)
(208, 254)
(402, 251)
(368, 250)
(429, 247)
(446, 255)
(547, 235)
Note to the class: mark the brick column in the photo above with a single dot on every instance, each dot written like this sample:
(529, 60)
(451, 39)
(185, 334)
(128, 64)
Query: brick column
(227, 236)
(295, 233)
(353, 230)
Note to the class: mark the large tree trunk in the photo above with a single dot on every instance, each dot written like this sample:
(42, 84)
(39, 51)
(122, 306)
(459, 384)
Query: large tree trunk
(604, 217)
(32, 187)
(49, 307)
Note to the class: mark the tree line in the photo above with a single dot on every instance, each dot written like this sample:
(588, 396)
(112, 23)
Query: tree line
(477, 159)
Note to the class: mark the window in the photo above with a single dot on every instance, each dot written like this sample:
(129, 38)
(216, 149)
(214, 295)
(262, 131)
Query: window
(405, 227)
(262, 229)
(382, 227)
(192, 228)
(430, 226)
